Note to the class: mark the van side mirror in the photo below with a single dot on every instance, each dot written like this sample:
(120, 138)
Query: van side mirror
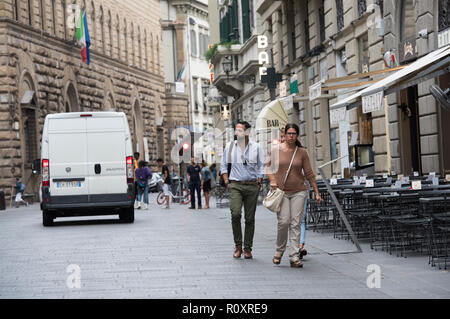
(36, 166)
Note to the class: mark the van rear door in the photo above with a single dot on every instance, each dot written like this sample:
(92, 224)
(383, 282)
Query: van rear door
(106, 158)
(67, 157)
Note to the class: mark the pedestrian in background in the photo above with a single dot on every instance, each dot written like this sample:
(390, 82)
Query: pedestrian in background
(166, 177)
(194, 182)
(213, 170)
(293, 203)
(242, 171)
(136, 166)
(20, 189)
(143, 174)
(205, 176)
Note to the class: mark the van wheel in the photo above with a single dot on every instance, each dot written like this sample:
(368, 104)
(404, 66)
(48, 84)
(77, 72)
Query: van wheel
(47, 218)
(127, 214)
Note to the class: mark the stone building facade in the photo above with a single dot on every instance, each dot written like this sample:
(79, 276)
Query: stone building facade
(41, 72)
(324, 40)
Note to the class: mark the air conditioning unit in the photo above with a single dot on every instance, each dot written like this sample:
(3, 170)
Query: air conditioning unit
(442, 97)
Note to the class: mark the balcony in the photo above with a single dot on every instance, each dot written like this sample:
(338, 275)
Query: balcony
(244, 66)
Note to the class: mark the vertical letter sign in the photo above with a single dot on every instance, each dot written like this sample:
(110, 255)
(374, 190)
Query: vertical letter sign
(373, 102)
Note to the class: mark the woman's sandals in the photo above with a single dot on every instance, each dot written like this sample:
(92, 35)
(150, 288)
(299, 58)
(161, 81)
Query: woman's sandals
(276, 260)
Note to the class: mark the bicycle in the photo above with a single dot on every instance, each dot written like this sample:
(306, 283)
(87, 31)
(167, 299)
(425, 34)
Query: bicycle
(183, 195)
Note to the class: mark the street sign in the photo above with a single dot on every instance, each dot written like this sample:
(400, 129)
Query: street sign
(373, 102)
(179, 87)
(337, 115)
(315, 91)
(444, 38)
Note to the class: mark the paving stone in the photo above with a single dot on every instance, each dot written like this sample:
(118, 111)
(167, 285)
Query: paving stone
(178, 253)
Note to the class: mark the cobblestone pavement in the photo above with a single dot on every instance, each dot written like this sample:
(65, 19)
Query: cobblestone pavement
(182, 253)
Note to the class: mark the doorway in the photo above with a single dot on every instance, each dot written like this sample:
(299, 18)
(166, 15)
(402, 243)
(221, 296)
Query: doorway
(410, 131)
(444, 83)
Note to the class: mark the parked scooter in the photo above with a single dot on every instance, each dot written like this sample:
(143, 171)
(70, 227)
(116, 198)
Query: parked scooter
(154, 184)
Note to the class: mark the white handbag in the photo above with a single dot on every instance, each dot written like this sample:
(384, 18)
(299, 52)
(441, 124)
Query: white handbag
(273, 199)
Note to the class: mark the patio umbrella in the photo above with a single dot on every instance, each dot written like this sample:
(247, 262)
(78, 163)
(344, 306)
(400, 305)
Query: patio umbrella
(272, 116)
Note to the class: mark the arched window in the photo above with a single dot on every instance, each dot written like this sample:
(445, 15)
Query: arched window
(42, 13)
(16, 10)
(125, 33)
(157, 57)
(54, 16)
(94, 26)
(139, 47)
(145, 50)
(118, 36)
(133, 55)
(63, 8)
(407, 20)
(153, 52)
(110, 38)
(30, 12)
(102, 29)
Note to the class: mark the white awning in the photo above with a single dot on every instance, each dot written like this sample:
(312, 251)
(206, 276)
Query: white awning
(432, 65)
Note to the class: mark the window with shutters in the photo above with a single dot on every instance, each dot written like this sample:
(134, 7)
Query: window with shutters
(195, 93)
(322, 22)
(246, 25)
(362, 7)
(234, 31)
(444, 14)
(193, 43)
(340, 15)
(290, 21)
(306, 27)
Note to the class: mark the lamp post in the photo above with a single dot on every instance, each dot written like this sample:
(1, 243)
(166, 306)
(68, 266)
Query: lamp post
(227, 65)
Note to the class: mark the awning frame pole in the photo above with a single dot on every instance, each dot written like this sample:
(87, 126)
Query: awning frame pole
(340, 210)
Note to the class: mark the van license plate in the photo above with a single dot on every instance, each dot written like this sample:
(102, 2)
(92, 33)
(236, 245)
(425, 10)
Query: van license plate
(68, 184)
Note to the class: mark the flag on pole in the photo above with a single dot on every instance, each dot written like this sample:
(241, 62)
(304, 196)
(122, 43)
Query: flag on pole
(180, 73)
(82, 35)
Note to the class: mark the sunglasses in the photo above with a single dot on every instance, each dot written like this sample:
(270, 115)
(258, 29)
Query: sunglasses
(243, 159)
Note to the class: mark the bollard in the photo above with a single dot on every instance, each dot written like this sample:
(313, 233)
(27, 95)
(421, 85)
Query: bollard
(2, 200)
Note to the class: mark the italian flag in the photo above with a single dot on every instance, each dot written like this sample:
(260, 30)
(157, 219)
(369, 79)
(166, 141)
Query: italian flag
(82, 35)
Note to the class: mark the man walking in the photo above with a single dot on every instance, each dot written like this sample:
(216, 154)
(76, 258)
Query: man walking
(193, 179)
(242, 171)
(166, 177)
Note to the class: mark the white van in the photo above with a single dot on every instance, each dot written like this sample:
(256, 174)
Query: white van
(87, 166)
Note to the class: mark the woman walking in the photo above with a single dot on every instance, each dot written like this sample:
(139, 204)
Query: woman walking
(295, 192)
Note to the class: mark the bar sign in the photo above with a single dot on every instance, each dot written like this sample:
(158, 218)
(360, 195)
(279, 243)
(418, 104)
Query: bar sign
(373, 102)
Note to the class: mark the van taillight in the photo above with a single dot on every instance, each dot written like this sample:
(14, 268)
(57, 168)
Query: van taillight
(45, 172)
(130, 171)
(85, 115)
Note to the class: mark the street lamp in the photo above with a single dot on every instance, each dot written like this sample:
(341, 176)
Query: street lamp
(227, 65)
